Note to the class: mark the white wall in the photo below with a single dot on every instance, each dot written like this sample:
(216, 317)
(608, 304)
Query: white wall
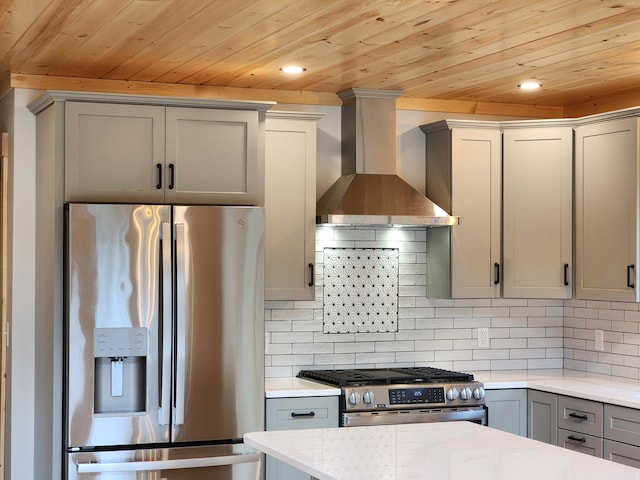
(20, 124)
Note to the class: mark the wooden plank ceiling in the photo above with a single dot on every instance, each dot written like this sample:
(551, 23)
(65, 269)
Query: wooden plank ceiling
(582, 51)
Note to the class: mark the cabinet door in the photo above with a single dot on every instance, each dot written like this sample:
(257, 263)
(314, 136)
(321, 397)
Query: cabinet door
(606, 210)
(579, 415)
(476, 199)
(290, 203)
(295, 414)
(507, 410)
(537, 219)
(622, 453)
(212, 156)
(542, 415)
(112, 152)
(580, 442)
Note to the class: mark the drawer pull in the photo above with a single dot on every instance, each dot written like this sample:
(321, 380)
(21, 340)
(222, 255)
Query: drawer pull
(578, 417)
(303, 415)
(577, 439)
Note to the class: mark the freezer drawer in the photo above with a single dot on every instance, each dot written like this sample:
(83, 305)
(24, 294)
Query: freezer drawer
(222, 462)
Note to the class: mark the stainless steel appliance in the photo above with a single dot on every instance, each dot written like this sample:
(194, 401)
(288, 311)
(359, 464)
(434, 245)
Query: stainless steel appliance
(164, 341)
(386, 396)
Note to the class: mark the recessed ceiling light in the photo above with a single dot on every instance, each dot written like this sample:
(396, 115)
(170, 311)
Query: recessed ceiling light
(529, 85)
(293, 69)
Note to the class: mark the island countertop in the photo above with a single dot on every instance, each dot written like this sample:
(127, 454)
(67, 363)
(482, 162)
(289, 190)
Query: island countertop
(424, 451)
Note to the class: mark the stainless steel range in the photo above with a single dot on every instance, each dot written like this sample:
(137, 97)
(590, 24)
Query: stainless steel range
(384, 396)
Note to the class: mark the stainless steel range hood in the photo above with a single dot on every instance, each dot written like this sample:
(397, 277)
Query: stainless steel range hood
(369, 192)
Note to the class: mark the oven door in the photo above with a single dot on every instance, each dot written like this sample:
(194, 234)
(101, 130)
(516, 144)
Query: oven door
(395, 417)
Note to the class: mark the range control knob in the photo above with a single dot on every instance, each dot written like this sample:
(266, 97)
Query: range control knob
(478, 393)
(452, 394)
(367, 398)
(465, 393)
(354, 398)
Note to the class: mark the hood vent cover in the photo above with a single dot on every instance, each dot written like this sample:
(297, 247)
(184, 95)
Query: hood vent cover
(369, 191)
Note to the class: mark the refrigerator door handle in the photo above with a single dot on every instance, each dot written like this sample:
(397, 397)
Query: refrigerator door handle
(164, 412)
(181, 325)
(144, 466)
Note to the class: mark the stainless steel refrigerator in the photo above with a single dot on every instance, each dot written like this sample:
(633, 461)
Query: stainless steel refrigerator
(164, 341)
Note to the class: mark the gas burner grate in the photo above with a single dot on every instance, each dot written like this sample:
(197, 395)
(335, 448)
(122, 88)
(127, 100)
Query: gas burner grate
(382, 376)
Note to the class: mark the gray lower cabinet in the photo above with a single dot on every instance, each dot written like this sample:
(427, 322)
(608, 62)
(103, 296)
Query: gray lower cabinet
(580, 425)
(622, 435)
(542, 416)
(507, 410)
(295, 414)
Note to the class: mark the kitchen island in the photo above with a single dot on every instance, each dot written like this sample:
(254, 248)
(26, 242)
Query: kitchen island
(423, 451)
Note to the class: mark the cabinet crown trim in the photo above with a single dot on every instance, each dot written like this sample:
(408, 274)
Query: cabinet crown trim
(294, 115)
(52, 96)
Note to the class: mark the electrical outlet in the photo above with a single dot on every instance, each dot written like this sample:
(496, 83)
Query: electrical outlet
(600, 340)
(483, 337)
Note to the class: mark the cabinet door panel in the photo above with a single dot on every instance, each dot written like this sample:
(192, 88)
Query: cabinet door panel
(580, 442)
(475, 243)
(214, 156)
(537, 222)
(111, 152)
(606, 209)
(507, 410)
(290, 165)
(542, 415)
(622, 453)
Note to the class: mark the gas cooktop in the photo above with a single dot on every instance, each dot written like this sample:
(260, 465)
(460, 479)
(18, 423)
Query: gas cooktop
(383, 376)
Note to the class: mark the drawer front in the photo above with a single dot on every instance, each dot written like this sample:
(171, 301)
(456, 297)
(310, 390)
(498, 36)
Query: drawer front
(579, 415)
(302, 412)
(580, 442)
(622, 453)
(622, 424)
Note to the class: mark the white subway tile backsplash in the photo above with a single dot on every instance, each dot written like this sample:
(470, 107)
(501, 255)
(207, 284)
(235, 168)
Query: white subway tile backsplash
(523, 333)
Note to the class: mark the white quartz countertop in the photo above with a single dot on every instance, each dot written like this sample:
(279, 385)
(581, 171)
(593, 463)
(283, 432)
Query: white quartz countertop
(297, 387)
(424, 451)
(592, 386)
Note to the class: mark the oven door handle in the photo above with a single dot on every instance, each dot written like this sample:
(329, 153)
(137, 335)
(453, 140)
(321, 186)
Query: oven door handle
(393, 417)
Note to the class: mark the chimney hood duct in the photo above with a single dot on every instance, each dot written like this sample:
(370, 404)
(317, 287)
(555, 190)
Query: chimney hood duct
(369, 192)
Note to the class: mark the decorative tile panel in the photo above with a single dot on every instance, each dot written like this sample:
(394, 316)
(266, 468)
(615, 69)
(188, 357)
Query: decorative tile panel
(360, 290)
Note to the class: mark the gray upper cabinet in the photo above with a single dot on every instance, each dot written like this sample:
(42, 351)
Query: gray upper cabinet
(212, 157)
(606, 215)
(290, 203)
(513, 194)
(112, 152)
(537, 222)
(152, 149)
(463, 176)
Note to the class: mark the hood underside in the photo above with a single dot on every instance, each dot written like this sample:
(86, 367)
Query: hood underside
(369, 192)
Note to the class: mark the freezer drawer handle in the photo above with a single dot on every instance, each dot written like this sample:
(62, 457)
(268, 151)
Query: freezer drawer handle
(167, 464)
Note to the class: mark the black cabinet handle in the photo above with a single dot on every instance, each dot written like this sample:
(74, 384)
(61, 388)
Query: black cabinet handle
(497, 268)
(566, 274)
(303, 415)
(630, 282)
(578, 417)
(311, 272)
(577, 439)
(172, 175)
(158, 176)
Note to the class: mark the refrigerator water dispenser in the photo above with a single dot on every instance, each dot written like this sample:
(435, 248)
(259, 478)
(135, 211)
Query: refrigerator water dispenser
(120, 359)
